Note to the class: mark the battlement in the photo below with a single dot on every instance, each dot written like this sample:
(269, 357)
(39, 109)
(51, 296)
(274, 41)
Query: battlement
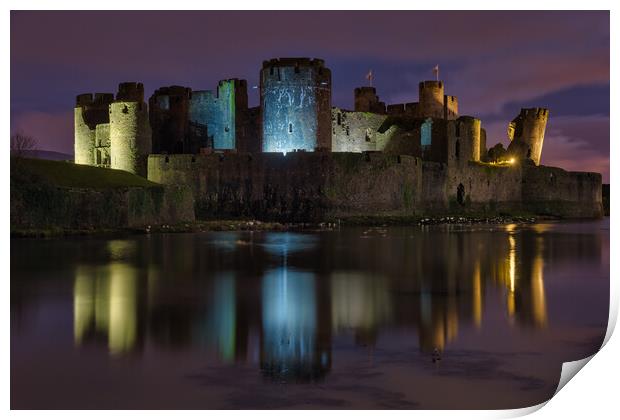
(301, 71)
(130, 92)
(99, 99)
(467, 119)
(431, 84)
(395, 109)
(366, 90)
(294, 62)
(173, 91)
(534, 113)
(237, 83)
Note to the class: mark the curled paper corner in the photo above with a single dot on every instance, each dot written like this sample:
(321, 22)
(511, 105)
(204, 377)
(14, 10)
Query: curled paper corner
(570, 369)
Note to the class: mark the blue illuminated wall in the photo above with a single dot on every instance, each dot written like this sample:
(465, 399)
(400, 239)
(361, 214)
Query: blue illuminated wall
(296, 105)
(218, 112)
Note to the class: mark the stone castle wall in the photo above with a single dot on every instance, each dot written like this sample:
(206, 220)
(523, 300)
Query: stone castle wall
(102, 145)
(89, 111)
(223, 113)
(168, 117)
(304, 186)
(296, 105)
(554, 191)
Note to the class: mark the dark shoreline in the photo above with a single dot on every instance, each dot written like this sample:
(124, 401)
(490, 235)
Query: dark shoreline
(256, 225)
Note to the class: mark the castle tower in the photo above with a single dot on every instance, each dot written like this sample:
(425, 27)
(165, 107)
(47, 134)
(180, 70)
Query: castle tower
(219, 120)
(130, 133)
(168, 116)
(450, 107)
(464, 138)
(88, 113)
(366, 100)
(296, 105)
(527, 133)
(431, 99)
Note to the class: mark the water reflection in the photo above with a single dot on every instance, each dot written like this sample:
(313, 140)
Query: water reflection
(290, 348)
(295, 291)
(361, 303)
(105, 302)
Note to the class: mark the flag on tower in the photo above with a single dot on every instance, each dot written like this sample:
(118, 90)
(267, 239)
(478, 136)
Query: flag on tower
(369, 77)
(436, 72)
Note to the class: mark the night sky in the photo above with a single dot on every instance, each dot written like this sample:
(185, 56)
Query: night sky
(495, 62)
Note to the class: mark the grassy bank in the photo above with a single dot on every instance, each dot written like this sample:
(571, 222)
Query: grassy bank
(51, 198)
(67, 174)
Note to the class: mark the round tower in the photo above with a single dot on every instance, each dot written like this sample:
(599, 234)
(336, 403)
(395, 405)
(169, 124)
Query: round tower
(296, 105)
(88, 113)
(465, 139)
(431, 97)
(130, 132)
(527, 133)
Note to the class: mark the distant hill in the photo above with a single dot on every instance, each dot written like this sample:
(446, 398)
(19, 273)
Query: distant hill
(47, 154)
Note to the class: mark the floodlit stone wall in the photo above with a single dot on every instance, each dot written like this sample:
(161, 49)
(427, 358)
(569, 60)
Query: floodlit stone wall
(130, 136)
(296, 105)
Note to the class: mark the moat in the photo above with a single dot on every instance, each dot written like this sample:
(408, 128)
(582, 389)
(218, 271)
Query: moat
(357, 317)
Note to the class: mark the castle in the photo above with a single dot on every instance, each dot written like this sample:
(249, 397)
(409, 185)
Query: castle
(225, 150)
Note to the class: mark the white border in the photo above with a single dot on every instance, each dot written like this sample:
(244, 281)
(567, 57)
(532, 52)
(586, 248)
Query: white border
(593, 395)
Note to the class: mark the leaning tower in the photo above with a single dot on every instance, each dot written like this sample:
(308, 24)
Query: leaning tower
(130, 132)
(527, 133)
(296, 105)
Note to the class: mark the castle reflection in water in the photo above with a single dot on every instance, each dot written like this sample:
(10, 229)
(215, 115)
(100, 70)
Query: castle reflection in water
(279, 298)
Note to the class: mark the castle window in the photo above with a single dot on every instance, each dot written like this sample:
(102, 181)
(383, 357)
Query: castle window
(226, 129)
(339, 118)
(290, 128)
(125, 110)
(460, 194)
(348, 130)
(457, 149)
(426, 132)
